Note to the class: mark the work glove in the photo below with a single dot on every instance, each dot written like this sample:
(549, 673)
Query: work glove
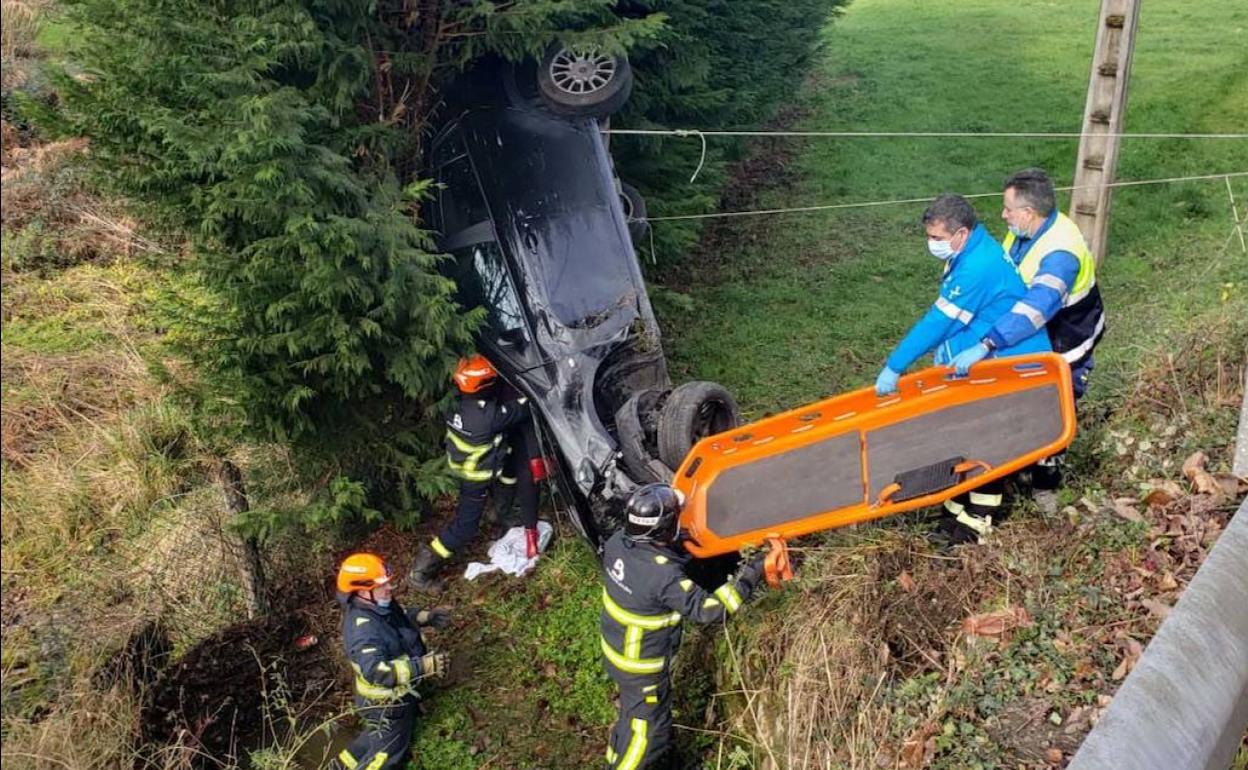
(963, 361)
(435, 665)
(438, 617)
(530, 542)
(750, 573)
(537, 468)
(887, 382)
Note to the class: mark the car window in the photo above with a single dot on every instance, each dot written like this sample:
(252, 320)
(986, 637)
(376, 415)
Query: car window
(484, 282)
(459, 195)
(549, 183)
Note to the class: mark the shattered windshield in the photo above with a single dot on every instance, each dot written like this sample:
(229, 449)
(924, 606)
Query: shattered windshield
(550, 191)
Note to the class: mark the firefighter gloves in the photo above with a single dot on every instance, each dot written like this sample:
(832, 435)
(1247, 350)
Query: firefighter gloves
(435, 665)
(438, 617)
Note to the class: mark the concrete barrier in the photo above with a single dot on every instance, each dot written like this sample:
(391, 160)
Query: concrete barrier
(1185, 705)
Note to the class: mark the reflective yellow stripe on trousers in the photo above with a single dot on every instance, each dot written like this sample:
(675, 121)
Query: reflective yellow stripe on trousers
(636, 746)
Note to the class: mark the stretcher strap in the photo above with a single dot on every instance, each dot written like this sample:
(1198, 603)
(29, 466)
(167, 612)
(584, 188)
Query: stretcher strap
(917, 482)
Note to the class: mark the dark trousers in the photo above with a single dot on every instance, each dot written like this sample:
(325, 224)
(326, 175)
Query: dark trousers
(386, 740)
(514, 482)
(1047, 474)
(642, 735)
(988, 500)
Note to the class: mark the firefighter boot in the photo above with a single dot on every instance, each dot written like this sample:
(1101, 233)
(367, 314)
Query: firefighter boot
(424, 574)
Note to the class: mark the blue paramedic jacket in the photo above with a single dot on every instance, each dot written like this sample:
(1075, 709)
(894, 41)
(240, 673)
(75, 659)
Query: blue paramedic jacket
(980, 285)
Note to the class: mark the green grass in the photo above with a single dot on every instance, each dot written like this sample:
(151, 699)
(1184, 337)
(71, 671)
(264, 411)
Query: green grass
(537, 695)
(810, 304)
(814, 309)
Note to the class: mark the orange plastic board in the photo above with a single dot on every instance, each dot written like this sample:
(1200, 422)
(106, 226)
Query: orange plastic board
(857, 457)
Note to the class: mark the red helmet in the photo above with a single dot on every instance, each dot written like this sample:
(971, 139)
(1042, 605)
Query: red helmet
(474, 374)
(362, 572)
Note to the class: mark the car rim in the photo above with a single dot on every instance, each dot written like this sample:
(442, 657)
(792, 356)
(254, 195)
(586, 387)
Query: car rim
(581, 72)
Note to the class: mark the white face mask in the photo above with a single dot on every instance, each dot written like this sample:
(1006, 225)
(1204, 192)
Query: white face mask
(383, 603)
(941, 250)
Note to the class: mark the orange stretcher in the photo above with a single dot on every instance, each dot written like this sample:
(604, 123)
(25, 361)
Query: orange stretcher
(857, 457)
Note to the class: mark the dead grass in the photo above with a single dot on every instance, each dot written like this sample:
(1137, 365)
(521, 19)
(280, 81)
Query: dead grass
(891, 655)
(21, 25)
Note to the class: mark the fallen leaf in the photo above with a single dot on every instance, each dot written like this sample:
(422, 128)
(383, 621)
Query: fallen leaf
(1053, 756)
(1162, 494)
(1202, 480)
(1157, 608)
(914, 750)
(1125, 508)
(996, 624)
(1129, 659)
(907, 582)
(1232, 485)
(1167, 582)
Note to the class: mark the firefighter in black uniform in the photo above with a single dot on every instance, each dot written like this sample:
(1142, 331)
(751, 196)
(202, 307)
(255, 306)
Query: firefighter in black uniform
(389, 657)
(489, 443)
(646, 594)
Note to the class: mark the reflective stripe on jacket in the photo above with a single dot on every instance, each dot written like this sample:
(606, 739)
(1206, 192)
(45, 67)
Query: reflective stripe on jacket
(1079, 323)
(475, 432)
(383, 646)
(645, 596)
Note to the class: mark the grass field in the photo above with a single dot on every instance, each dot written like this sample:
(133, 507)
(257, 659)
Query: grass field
(799, 306)
(814, 307)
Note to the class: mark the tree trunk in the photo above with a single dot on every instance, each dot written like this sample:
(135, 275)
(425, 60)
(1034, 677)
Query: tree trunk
(252, 568)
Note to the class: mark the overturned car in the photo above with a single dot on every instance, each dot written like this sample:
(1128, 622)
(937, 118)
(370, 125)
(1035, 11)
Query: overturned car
(538, 228)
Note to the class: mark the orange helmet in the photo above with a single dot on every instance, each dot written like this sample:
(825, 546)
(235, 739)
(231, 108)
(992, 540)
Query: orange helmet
(474, 373)
(362, 572)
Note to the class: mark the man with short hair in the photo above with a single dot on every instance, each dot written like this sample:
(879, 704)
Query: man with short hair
(980, 284)
(1062, 296)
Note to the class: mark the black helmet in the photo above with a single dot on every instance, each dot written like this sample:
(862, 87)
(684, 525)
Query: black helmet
(652, 513)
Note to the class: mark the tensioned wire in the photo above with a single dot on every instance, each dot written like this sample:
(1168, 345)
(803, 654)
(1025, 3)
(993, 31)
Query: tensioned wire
(926, 199)
(687, 132)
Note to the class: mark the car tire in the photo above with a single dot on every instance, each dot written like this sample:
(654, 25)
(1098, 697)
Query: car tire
(586, 83)
(641, 465)
(692, 412)
(634, 212)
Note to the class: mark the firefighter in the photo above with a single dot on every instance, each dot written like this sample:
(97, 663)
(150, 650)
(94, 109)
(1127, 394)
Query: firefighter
(646, 594)
(490, 445)
(980, 285)
(1062, 297)
(389, 658)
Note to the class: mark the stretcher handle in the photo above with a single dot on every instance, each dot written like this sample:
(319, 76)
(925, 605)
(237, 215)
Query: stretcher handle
(777, 566)
(964, 467)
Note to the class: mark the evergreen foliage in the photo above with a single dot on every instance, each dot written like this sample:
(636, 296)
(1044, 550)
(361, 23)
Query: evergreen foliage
(721, 64)
(282, 138)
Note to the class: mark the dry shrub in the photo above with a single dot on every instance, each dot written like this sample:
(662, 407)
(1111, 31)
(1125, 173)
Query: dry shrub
(856, 625)
(1208, 375)
(21, 25)
(94, 731)
(61, 391)
(53, 219)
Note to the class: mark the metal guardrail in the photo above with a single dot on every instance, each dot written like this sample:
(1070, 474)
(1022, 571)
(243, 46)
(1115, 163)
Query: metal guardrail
(1185, 705)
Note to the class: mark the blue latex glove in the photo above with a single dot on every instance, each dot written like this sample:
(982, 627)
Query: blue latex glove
(887, 382)
(962, 362)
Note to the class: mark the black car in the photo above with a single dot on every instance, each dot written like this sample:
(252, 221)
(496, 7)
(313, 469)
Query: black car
(539, 231)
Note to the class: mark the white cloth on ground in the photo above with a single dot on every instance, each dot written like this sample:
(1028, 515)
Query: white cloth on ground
(510, 552)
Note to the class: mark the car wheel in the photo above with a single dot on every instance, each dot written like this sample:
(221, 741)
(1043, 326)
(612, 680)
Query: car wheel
(692, 412)
(634, 212)
(638, 461)
(583, 82)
